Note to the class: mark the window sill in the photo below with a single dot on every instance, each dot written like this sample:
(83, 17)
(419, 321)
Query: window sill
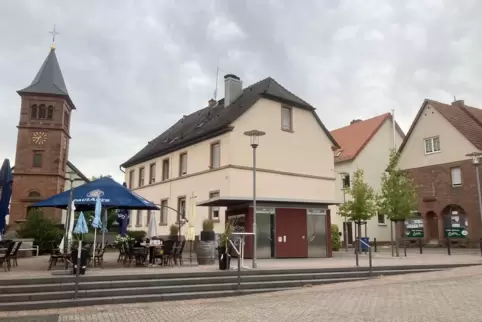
(382, 225)
(457, 186)
(287, 130)
(163, 224)
(429, 153)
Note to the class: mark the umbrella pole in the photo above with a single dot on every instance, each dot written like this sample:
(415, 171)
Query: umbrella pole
(104, 228)
(77, 271)
(95, 241)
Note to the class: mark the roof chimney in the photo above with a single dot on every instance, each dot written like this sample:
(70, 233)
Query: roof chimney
(212, 102)
(458, 103)
(233, 87)
(355, 121)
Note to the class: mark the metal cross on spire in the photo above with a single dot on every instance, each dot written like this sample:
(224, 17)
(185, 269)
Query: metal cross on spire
(53, 33)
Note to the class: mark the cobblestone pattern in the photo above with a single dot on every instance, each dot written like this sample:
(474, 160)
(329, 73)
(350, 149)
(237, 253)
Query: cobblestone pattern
(452, 295)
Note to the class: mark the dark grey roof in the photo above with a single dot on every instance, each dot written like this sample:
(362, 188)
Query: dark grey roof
(213, 121)
(49, 80)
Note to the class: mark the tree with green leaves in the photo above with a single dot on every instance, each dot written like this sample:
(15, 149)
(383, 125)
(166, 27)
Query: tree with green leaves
(363, 203)
(398, 197)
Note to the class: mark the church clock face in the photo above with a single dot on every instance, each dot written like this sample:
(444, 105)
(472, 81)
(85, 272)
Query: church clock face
(39, 138)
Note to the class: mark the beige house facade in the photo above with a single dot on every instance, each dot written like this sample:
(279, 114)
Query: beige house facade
(366, 145)
(218, 162)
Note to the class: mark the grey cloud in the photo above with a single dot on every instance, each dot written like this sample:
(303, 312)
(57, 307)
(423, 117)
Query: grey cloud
(133, 68)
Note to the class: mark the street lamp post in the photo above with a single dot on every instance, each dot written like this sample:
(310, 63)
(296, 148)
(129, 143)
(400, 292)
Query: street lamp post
(476, 162)
(345, 226)
(254, 138)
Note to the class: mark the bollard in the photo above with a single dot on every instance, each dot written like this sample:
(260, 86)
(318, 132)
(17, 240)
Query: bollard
(405, 248)
(370, 259)
(239, 272)
(481, 247)
(420, 245)
(375, 244)
(357, 244)
(448, 247)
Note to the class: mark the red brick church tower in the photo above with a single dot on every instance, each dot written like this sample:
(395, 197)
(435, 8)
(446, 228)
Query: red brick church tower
(42, 142)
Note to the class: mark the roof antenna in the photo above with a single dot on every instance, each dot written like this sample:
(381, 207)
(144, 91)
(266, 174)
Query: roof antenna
(217, 77)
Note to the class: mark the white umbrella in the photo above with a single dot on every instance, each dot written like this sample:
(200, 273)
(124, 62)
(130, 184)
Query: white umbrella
(70, 229)
(152, 229)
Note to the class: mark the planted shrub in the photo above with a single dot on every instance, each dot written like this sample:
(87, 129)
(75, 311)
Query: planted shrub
(335, 237)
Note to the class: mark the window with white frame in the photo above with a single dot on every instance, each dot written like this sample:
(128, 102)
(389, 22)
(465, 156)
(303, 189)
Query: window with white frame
(164, 210)
(432, 145)
(381, 219)
(214, 211)
(149, 214)
(138, 218)
(456, 176)
(286, 118)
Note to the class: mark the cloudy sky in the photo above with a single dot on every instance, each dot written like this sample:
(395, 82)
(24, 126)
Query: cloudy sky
(135, 67)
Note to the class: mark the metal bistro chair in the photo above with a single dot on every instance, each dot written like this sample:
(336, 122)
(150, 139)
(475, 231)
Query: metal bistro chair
(99, 256)
(5, 258)
(13, 255)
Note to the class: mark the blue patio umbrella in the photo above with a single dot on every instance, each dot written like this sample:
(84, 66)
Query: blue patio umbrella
(81, 229)
(123, 218)
(97, 222)
(81, 225)
(6, 180)
(111, 194)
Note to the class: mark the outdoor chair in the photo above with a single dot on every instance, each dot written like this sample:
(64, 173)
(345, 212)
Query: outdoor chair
(5, 258)
(177, 253)
(122, 252)
(132, 254)
(13, 255)
(55, 255)
(99, 256)
(168, 254)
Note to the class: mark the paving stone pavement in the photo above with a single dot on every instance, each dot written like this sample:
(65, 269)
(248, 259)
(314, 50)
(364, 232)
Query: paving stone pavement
(447, 296)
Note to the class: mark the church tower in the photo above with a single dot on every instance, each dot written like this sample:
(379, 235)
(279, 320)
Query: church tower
(42, 141)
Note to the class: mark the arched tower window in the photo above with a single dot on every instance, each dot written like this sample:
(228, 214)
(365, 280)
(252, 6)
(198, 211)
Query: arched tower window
(33, 111)
(42, 112)
(34, 194)
(50, 112)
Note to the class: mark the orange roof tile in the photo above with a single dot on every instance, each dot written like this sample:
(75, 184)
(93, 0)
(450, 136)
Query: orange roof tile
(354, 137)
(466, 119)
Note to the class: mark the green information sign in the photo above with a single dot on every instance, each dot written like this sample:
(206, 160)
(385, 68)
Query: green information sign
(456, 232)
(414, 228)
(456, 225)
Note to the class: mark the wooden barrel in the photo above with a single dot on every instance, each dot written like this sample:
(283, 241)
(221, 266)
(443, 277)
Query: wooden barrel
(205, 253)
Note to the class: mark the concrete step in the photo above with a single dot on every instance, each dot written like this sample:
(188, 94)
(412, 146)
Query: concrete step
(153, 290)
(161, 275)
(86, 285)
(40, 305)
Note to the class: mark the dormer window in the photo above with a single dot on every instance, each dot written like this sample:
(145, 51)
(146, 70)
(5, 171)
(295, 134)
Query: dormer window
(174, 139)
(199, 125)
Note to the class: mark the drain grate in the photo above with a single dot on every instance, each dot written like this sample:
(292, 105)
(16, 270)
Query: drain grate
(32, 318)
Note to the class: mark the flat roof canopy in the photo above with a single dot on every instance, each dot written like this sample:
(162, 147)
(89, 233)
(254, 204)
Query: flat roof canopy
(236, 201)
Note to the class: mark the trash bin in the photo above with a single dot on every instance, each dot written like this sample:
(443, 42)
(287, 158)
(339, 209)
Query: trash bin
(364, 244)
(84, 255)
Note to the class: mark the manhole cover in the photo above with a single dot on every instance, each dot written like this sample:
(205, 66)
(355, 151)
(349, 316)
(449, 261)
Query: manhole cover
(36, 318)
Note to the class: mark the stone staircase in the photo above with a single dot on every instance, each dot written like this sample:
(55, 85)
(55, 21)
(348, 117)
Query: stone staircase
(58, 291)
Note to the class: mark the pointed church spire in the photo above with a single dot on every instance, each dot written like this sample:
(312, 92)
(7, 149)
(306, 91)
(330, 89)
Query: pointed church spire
(49, 79)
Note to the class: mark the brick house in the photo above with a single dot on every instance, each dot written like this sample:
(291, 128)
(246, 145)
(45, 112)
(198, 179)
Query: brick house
(434, 153)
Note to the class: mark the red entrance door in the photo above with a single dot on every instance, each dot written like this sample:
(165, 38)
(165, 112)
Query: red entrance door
(291, 231)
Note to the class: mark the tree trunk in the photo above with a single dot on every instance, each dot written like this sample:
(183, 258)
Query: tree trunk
(359, 238)
(397, 239)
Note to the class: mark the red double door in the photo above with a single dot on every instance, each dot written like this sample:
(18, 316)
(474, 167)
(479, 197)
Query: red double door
(291, 229)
